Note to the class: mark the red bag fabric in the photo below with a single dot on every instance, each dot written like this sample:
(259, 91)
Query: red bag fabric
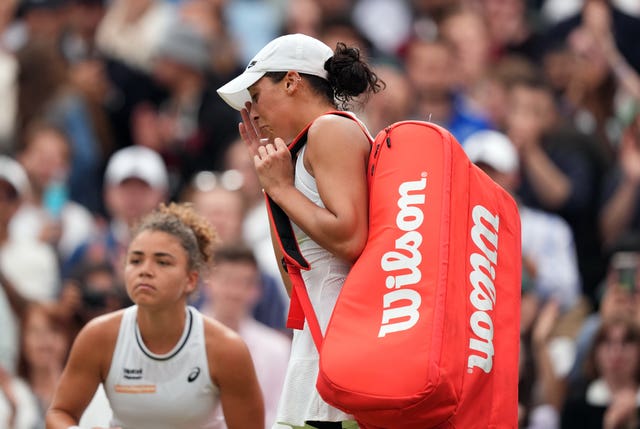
(425, 333)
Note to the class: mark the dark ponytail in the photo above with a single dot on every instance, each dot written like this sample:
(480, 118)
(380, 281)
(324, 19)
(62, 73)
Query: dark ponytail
(350, 76)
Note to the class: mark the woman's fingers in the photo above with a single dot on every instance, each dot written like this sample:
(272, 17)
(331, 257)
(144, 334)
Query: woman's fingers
(263, 151)
(280, 144)
(278, 147)
(248, 132)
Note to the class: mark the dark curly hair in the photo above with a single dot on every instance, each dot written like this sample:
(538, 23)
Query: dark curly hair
(195, 234)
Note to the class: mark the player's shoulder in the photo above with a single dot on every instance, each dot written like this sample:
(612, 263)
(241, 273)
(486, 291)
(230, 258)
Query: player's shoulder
(335, 120)
(102, 328)
(96, 341)
(333, 129)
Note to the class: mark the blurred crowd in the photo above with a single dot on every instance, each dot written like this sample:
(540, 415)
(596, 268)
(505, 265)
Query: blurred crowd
(108, 108)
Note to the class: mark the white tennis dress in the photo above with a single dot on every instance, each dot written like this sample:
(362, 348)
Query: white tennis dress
(151, 391)
(300, 399)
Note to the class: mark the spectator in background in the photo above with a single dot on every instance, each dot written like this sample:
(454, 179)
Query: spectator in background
(218, 199)
(256, 234)
(253, 23)
(429, 65)
(599, 21)
(193, 126)
(619, 296)
(18, 406)
(620, 212)
(624, 24)
(609, 399)
(466, 33)
(131, 30)
(84, 18)
(45, 344)
(51, 97)
(8, 73)
(93, 289)
(48, 214)
(512, 29)
(387, 24)
(560, 171)
(135, 182)
(392, 104)
(541, 391)
(492, 92)
(591, 91)
(37, 21)
(430, 10)
(331, 9)
(215, 196)
(7, 14)
(209, 17)
(88, 75)
(28, 268)
(125, 38)
(303, 16)
(342, 30)
(233, 289)
(255, 226)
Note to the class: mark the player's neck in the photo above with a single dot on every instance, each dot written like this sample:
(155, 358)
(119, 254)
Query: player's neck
(161, 330)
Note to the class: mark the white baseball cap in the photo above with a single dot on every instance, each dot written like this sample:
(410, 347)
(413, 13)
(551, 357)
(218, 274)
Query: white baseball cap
(12, 172)
(292, 52)
(137, 162)
(492, 148)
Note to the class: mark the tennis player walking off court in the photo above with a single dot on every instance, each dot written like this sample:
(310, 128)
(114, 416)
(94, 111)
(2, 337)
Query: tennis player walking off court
(294, 81)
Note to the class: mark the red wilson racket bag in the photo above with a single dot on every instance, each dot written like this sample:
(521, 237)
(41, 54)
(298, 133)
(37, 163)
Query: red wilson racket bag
(425, 333)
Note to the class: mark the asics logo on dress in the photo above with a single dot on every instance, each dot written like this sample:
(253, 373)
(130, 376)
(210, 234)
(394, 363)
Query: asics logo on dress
(195, 372)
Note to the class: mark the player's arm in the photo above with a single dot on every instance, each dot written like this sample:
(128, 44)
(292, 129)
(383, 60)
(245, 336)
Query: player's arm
(83, 373)
(336, 155)
(233, 372)
(338, 152)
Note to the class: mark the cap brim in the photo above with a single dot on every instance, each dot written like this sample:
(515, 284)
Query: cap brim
(235, 92)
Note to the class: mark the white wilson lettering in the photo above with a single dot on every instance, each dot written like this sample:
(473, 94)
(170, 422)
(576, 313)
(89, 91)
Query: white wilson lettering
(400, 306)
(484, 235)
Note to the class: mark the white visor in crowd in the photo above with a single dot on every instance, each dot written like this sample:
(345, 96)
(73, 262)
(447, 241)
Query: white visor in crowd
(292, 52)
(492, 148)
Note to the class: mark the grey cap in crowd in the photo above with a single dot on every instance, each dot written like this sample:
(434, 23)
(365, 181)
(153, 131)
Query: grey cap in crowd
(185, 45)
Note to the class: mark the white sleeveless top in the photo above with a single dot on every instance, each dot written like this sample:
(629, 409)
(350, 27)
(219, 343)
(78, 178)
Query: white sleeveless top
(151, 391)
(300, 400)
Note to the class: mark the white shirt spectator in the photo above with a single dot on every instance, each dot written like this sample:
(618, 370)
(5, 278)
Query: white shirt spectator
(32, 268)
(77, 225)
(548, 242)
(27, 413)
